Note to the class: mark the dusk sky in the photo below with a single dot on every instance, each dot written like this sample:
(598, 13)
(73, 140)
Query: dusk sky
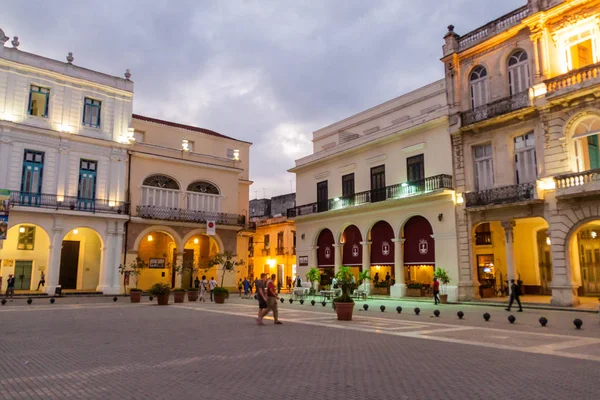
(269, 72)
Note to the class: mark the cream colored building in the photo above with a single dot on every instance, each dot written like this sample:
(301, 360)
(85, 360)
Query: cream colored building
(524, 119)
(63, 155)
(181, 177)
(377, 193)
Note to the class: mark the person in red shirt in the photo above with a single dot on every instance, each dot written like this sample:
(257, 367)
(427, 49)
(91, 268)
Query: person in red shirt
(272, 298)
(436, 291)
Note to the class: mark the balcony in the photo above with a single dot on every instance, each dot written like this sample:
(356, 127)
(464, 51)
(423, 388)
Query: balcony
(496, 108)
(573, 80)
(501, 195)
(578, 184)
(483, 238)
(54, 202)
(183, 215)
(279, 251)
(398, 191)
(493, 28)
(266, 252)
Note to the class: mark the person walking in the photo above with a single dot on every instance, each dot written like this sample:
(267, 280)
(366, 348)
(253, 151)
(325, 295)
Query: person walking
(212, 285)
(203, 286)
(436, 291)
(42, 281)
(246, 284)
(515, 294)
(263, 307)
(197, 283)
(272, 298)
(240, 286)
(10, 288)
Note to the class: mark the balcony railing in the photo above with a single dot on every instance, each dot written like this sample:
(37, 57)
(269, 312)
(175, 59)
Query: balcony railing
(577, 179)
(54, 202)
(483, 238)
(496, 108)
(572, 78)
(266, 252)
(501, 195)
(279, 251)
(398, 191)
(493, 28)
(183, 215)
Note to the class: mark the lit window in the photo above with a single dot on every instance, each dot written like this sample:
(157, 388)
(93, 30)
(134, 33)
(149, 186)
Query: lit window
(26, 238)
(478, 87)
(91, 112)
(233, 154)
(39, 98)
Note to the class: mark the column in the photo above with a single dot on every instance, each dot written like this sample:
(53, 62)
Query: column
(399, 288)
(114, 276)
(53, 269)
(366, 263)
(106, 261)
(510, 261)
(313, 262)
(179, 275)
(62, 179)
(5, 152)
(337, 258)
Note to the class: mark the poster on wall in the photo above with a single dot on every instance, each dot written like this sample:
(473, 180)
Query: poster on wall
(303, 261)
(3, 226)
(4, 201)
(157, 263)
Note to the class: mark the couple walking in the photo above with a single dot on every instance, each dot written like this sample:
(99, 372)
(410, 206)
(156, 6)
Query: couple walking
(267, 298)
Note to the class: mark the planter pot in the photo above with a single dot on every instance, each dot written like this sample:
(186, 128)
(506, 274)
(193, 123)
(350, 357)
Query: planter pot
(178, 297)
(344, 311)
(219, 298)
(444, 298)
(192, 296)
(486, 293)
(385, 291)
(163, 299)
(135, 296)
(413, 292)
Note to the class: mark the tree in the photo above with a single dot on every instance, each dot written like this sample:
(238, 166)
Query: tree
(363, 279)
(226, 261)
(134, 270)
(442, 275)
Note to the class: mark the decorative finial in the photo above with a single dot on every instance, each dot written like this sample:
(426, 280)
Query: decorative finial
(127, 74)
(450, 28)
(70, 58)
(3, 38)
(15, 42)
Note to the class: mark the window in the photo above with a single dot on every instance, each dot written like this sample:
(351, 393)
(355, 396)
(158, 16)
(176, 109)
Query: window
(233, 154)
(267, 241)
(483, 235)
(585, 139)
(485, 268)
(378, 183)
(484, 166)
(139, 136)
(415, 168)
(160, 191)
(26, 238)
(280, 243)
(322, 196)
(203, 187)
(190, 145)
(525, 160)
(518, 73)
(294, 243)
(478, 87)
(582, 54)
(33, 168)
(251, 246)
(348, 185)
(91, 112)
(39, 98)
(87, 179)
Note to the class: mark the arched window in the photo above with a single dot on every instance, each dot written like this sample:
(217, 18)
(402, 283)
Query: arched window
(587, 150)
(203, 196)
(478, 87)
(160, 191)
(518, 73)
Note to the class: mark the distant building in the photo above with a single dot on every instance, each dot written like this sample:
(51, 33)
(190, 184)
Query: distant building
(260, 208)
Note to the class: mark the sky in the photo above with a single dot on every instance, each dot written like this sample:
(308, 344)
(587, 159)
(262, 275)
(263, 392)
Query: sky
(268, 72)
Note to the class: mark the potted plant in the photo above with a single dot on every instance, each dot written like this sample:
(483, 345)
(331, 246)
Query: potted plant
(363, 278)
(442, 275)
(314, 276)
(220, 294)
(179, 294)
(344, 304)
(133, 272)
(227, 262)
(161, 291)
(413, 289)
(192, 294)
(382, 288)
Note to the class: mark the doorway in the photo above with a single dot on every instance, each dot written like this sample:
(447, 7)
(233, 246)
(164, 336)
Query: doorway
(378, 183)
(545, 262)
(188, 265)
(69, 261)
(23, 274)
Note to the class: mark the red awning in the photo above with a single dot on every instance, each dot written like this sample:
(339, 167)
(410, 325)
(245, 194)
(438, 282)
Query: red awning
(326, 251)
(382, 247)
(419, 246)
(352, 252)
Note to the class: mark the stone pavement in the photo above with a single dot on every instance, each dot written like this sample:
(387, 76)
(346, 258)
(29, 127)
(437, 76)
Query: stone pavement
(109, 350)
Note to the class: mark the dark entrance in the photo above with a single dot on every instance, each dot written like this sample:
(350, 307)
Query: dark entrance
(69, 260)
(23, 275)
(188, 265)
(378, 183)
(545, 262)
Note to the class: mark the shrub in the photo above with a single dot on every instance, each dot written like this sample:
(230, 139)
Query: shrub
(220, 290)
(179, 290)
(414, 285)
(160, 289)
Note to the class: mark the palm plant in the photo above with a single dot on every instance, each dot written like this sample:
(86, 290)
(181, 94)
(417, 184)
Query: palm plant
(442, 275)
(345, 280)
(364, 276)
(227, 261)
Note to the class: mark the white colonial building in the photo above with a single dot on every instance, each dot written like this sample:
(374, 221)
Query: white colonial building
(64, 135)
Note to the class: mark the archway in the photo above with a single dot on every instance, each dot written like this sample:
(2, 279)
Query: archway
(419, 251)
(197, 252)
(24, 254)
(158, 250)
(382, 257)
(585, 258)
(325, 256)
(352, 251)
(80, 260)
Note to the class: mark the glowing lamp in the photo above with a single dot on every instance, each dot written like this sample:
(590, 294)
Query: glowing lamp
(150, 238)
(21, 229)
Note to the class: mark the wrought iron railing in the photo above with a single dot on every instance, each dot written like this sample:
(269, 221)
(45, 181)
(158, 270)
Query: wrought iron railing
(398, 191)
(577, 178)
(184, 215)
(496, 108)
(279, 251)
(501, 195)
(54, 202)
(266, 252)
(572, 78)
(483, 238)
(494, 27)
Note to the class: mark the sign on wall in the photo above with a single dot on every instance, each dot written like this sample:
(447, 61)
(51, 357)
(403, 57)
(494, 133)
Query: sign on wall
(211, 227)
(157, 263)
(4, 209)
(3, 226)
(303, 261)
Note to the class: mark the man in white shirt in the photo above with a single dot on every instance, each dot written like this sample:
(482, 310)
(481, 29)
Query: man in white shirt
(212, 285)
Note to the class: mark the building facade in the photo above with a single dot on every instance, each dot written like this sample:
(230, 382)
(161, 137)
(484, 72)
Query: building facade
(64, 136)
(524, 120)
(272, 248)
(181, 179)
(377, 194)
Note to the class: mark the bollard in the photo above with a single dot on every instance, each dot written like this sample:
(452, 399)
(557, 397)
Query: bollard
(365, 307)
(151, 298)
(436, 313)
(487, 317)
(511, 319)
(52, 300)
(282, 300)
(291, 300)
(399, 309)
(543, 321)
(382, 308)
(460, 314)
(115, 299)
(3, 301)
(312, 302)
(323, 303)
(417, 310)
(29, 300)
(301, 301)
(578, 323)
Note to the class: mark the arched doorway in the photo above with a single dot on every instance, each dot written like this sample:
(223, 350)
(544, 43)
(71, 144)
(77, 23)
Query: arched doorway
(325, 256)
(352, 250)
(419, 251)
(197, 251)
(24, 254)
(544, 261)
(585, 253)
(382, 257)
(159, 251)
(80, 260)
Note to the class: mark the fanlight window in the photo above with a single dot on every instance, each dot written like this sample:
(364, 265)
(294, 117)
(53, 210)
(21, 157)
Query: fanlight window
(203, 187)
(478, 86)
(161, 181)
(587, 146)
(518, 73)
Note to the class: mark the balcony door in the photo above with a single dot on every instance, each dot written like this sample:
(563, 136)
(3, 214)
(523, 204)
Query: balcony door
(378, 183)
(525, 159)
(322, 196)
(483, 167)
(31, 180)
(86, 192)
(348, 190)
